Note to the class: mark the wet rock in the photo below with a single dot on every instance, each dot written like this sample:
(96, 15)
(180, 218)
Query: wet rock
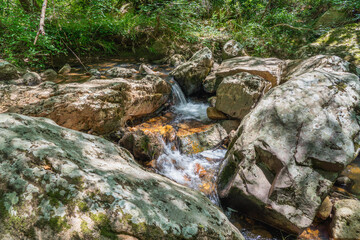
(97, 106)
(325, 209)
(346, 220)
(239, 93)
(191, 74)
(212, 101)
(95, 73)
(120, 72)
(8, 71)
(215, 114)
(144, 147)
(176, 60)
(59, 183)
(31, 79)
(65, 69)
(144, 69)
(342, 42)
(193, 141)
(49, 75)
(290, 148)
(232, 49)
(343, 181)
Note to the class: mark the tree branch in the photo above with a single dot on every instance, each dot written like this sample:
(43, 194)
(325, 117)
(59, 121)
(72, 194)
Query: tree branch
(42, 21)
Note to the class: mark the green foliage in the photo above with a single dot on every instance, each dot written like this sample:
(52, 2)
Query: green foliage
(107, 27)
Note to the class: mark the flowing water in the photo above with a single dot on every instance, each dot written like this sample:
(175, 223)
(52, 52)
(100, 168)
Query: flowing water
(197, 170)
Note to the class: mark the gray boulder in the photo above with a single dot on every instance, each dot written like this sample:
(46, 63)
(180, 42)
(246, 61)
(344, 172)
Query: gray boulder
(57, 183)
(8, 71)
(120, 72)
(191, 74)
(238, 94)
(176, 60)
(289, 149)
(231, 49)
(49, 75)
(31, 79)
(346, 220)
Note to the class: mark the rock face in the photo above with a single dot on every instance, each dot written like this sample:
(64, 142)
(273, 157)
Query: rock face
(120, 72)
(343, 42)
(231, 49)
(57, 183)
(239, 93)
(271, 69)
(191, 74)
(98, 106)
(290, 148)
(346, 220)
(8, 71)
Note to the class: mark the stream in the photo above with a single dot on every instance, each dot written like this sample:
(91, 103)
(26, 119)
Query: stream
(197, 170)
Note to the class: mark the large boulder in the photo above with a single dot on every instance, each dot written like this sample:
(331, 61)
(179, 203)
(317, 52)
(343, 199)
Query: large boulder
(238, 94)
(346, 220)
(191, 74)
(99, 106)
(57, 183)
(31, 79)
(342, 41)
(8, 71)
(289, 149)
(271, 69)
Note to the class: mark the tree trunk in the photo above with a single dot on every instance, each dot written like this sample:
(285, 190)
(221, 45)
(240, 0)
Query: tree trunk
(42, 21)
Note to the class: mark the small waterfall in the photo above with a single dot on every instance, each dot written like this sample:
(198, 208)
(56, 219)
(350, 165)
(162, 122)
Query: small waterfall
(177, 92)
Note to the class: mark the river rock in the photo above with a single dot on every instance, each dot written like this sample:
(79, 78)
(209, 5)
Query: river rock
(176, 60)
(211, 82)
(120, 72)
(8, 71)
(198, 141)
(31, 79)
(57, 183)
(144, 69)
(343, 42)
(191, 74)
(231, 49)
(49, 75)
(144, 147)
(346, 221)
(65, 69)
(98, 106)
(238, 94)
(290, 148)
(325, 209)
(95, 72)
(215, 114)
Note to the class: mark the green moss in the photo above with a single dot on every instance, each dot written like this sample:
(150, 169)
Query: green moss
(83, 206)
(58, 224)
(103, 224)
(145, 140)
(341, 86)
(84, 228)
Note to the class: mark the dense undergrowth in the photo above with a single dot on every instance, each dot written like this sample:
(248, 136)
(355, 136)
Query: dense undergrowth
(110, 27)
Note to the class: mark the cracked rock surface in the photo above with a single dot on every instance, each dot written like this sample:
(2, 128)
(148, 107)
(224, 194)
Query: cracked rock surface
(57, 183)
(290, 148)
